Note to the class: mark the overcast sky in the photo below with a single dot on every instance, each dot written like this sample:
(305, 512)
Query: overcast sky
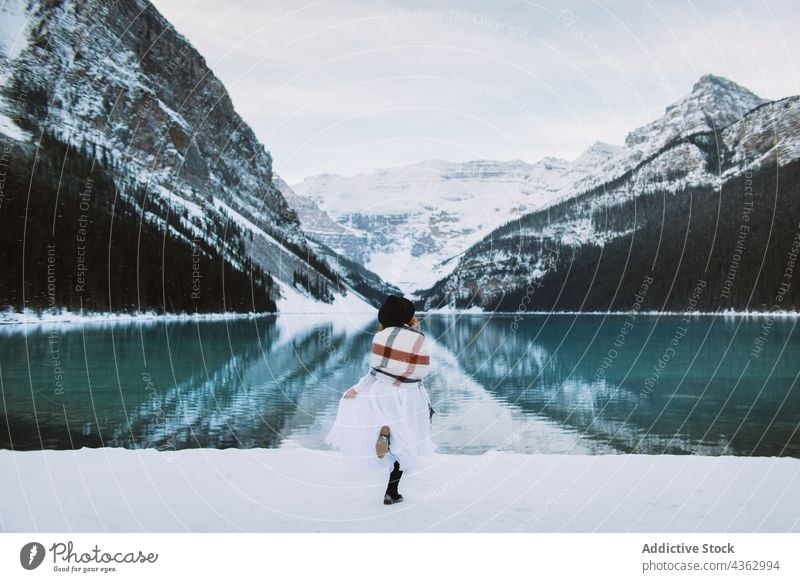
(347, 87)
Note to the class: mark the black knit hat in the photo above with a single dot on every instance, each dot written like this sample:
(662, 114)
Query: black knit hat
(395, 311)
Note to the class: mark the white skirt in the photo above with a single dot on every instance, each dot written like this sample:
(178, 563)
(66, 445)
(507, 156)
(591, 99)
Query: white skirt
(403, 408)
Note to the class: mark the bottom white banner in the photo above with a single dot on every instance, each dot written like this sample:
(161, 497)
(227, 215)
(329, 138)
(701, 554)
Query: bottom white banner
(387, 557)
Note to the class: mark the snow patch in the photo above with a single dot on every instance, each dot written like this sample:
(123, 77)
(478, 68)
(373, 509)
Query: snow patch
(9, 128)
(194, 210)
(13, 21)
(293, 300)
(239, 219)
(174, 116)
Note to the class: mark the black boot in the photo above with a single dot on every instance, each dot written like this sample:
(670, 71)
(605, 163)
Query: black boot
(392, 495)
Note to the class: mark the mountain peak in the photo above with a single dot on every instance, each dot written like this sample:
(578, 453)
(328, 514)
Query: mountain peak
(715, 102)
(710, 81)
(601, 149)
(725, 100)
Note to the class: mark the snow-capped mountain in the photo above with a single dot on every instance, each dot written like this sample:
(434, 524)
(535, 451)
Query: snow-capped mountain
(419, 220)
(116, 82)
(709, 214)
(319, 225)
(714, 103)
(406, 224)
(409, 223)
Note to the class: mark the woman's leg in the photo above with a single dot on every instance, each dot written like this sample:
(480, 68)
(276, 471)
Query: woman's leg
(382, 444)
(394, 481)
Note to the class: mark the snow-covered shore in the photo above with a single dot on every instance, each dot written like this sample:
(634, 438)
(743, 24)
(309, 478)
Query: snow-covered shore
(294, 489)
(291, 302)
(292, 307)
(523, 313)
(29, 317)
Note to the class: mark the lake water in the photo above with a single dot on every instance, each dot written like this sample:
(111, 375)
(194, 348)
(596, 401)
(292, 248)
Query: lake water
(588, 384)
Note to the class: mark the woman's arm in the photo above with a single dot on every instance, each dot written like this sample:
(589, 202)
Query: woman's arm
(351, 393)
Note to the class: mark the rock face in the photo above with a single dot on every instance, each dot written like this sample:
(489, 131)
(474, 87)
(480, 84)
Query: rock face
(118, 76)
(117, 82)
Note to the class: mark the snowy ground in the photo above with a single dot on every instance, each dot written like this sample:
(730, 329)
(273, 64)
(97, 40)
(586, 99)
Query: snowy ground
(294, 489)
(293, 301)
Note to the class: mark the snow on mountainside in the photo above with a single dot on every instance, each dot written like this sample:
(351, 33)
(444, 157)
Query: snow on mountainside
(407, 223)
(419, 219)
(117, 80)
(13, 36)
(770, 133)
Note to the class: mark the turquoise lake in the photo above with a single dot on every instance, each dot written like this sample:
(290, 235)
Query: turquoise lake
(559, 384)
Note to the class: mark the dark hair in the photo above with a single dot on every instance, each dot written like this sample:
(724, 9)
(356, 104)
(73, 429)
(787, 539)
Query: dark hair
(396, 311)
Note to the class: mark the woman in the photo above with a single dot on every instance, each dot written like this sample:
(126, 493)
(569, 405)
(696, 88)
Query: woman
(385, 419)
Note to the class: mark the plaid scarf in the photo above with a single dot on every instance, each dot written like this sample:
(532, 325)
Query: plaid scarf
(397, 355)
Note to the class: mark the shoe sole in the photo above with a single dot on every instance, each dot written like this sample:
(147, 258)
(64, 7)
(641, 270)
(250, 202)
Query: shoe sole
(390, 501)
(382, 446)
